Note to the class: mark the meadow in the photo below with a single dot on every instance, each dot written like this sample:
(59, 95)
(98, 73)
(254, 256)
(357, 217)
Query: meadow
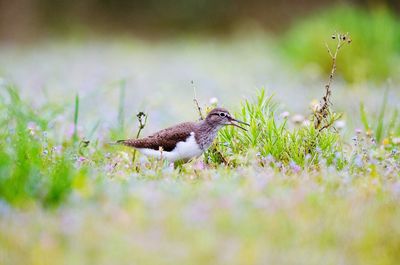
(284, 192)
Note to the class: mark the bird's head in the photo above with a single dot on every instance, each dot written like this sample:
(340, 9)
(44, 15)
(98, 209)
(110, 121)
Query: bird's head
(221, 117)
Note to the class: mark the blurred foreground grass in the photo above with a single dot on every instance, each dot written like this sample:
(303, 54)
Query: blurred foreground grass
(217, 216)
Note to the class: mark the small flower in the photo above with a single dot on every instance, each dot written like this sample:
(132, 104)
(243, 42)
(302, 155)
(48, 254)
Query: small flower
(358, 161)
(285, 114)
(385, 141)
(109, 167)
(32, 128)
(199, 165)
(297, 119)
(396, 140)
(296, 168)
(314, 105)
(57, 149)
(213, 101)
(306, 123)
(340, 124)
(81, 160)
(358, 131)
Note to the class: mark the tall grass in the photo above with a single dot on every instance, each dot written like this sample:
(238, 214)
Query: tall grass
(32, 170)
(76, 116)
(385, 125)
(270, 137)
(121, 106)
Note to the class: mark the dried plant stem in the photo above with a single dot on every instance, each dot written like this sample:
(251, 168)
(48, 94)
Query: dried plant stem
(142, 122)
(142, 118)
(214, 147)
(196, 102)
(321, 115)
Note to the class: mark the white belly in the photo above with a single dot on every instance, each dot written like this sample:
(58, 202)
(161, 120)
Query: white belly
(183, 150)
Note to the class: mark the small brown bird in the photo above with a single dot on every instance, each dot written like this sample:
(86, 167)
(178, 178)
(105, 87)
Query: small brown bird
(186, 140)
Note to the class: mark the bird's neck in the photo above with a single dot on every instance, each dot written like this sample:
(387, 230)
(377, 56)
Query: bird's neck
(206, 133)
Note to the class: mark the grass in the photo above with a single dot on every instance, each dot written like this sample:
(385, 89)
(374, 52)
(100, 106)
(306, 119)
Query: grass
(34, 169)
(383, 128)
(281, 193)
(270, 137)
(76, 116)
(288, 194)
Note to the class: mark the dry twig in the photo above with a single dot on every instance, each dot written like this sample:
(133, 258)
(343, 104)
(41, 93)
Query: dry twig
(196, 102)
(323, 118)
(142, 118)
(213, 148)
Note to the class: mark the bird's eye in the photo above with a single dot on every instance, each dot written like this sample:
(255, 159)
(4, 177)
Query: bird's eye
(222, 114)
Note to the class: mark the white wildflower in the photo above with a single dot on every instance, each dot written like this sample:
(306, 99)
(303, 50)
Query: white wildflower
(213, 101)
(297, 118)
(285, 114)
(340, 124)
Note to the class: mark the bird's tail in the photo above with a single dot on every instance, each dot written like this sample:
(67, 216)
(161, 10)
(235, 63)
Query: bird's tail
(119, 142)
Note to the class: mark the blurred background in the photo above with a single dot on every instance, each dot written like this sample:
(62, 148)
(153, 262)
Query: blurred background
(27, 19)
(229, 48)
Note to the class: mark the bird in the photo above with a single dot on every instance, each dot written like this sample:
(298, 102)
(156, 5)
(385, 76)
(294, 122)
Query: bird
(186, 140)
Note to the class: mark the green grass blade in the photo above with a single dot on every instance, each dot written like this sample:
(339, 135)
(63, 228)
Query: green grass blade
(364, 117)
(393, 122)
(76, 116)
(121, 105)
(94, 129)
(379, 127)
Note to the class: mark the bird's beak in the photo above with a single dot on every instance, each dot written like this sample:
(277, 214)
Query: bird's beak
(232, 122)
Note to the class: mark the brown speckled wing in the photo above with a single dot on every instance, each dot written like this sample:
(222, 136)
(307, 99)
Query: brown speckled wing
(167, 138)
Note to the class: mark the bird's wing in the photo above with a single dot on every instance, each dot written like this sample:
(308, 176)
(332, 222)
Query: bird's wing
(166, 138)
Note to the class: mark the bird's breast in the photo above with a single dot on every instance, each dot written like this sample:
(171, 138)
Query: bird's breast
(188, 148)
(206, 139)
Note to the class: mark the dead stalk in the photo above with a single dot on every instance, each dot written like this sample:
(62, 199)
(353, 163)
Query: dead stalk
(322, 115)
(196, 102)
(214, 147)
(142, 118)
